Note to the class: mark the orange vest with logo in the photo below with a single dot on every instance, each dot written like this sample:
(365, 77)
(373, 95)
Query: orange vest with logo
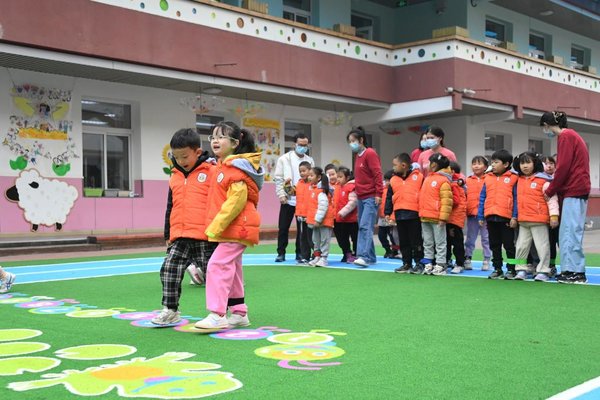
(405, 194)
(301, 198)
(190, 202)
(246, 226)
(474, 185)
(381, 213)
(429, 198)
(459, 206)
(531, 203)
(499, 194)
(313, 205)
(341, 199)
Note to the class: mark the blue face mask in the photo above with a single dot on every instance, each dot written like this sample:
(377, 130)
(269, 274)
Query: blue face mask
(354, 146)
(431, 143)
(301, 149)
(549, 133)
(424, 144)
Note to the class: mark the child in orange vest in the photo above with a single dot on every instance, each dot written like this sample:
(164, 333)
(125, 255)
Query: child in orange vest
(184, 220)
(535, 213)
(233, 222)
(345, 226)
(435, 206)
(456, 222)
(479, 166)
(402, 201)
(305, 233)
(320, 216)
(498, 210)
(386, 227)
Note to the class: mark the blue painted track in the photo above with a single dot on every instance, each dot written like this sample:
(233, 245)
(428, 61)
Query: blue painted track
(93, 269)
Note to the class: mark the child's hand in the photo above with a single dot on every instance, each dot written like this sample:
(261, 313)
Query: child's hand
(481, 222)
(513, 223)
(388, 219)
(553, 224)
(317, 224)
(441, 223)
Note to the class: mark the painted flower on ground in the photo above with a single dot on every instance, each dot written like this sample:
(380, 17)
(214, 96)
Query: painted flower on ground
(164, 377)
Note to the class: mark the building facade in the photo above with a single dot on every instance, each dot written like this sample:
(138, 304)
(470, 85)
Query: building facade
(92, 90)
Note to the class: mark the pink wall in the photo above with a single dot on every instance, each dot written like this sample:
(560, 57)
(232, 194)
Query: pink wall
(91, 214)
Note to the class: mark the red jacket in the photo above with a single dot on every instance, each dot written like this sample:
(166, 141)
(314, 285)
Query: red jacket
(367, 175)
(572, 176)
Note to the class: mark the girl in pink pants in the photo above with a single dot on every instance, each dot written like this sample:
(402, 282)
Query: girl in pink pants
(232, 221)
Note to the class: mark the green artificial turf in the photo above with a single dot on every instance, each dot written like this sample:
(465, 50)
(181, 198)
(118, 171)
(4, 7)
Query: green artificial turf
(407, 336)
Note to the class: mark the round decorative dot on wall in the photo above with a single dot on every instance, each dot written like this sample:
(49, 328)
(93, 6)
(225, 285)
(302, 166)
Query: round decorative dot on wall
(213, 15)
(194, 11)
(314, 44)
(345, 51)
(228, 25)
(240, 23)
(550, 73)
(404, 59)
(338, 45)
(303, 37)
(433, 55)
(456, 47)
(178, 13)
(395, 56)
(448, 47)
(375, 53)
(281, 32)
(387, 55)
(324, 41)
(366, 56)
(357, 50)
(293, 30)
(409, 51)
(482, 54)
(265, 28)
(258, 31)
(289, 39)
(252, 20)
(472, 56)
(519, 64)
(142, 6)
(164, 5)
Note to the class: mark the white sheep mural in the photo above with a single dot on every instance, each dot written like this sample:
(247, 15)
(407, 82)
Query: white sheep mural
(44, 201)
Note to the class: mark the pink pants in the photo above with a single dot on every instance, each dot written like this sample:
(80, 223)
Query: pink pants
(225, 280)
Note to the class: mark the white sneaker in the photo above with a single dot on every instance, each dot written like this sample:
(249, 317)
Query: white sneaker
(212, 323)
(428, 270)
(361, 262)
(439, 270)
(322, 262)
(238, 321)
(196, 274)
(457, 269)
(468, 265)
(486, 265)
(9, 279)
(166, 317)
(314, 261)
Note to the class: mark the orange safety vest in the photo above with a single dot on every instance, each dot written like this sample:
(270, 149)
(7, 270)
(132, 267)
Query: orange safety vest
(531, 203)
(499, 194)
(341, 199)
(246, 226)
(301, 198)
(459, 206)
(430, 202)
(405, 194)
(190, 202)
(474, 185)
(313, 205)
(382, 204)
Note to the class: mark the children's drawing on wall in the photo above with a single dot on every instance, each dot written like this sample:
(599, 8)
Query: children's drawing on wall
(167, 156)
(40, 128)
(267, 133)
(44, 201)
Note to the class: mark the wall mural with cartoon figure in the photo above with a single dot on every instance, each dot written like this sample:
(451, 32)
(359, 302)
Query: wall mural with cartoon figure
(40, 129)
(44, 201)
(267, 134)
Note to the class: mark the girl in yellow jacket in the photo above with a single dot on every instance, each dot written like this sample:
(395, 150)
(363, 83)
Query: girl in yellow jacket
(233, 221)
(435, 206)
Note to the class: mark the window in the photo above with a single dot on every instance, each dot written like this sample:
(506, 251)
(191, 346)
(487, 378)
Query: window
(495, 142)
(297, 10)
(537, 46)
(536, 146)
(106, 147)
(203, 125)
(364, 25)
(579, 57)
(291, 129)
(495, 32)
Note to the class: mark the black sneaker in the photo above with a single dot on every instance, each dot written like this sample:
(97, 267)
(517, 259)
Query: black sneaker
(564, 275)
(403, 269)
(280, 258)
(576, 278)
(510, 274)
(552, 273)
(388, 254)
(496, 274)
(417, 269)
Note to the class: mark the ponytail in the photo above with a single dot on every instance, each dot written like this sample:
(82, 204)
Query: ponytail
(243, 136)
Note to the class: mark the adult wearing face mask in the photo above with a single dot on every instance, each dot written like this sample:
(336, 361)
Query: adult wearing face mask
(571, 182)
(414, 156)
(287, 175)
(433, 143)
(368, 181)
